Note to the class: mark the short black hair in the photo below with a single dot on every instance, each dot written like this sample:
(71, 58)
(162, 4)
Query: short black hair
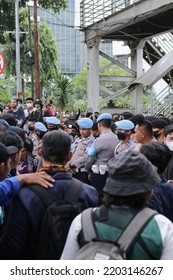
(56, 146)
(158, 154)
(147, 127)
(10, 138)
(9, 118)
(29, 98)
(106, 123)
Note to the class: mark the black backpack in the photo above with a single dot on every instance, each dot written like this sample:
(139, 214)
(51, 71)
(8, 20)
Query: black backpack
(57, 219)
(96, 249)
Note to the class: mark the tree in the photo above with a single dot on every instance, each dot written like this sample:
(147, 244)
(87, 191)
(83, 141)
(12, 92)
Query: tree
(7, 12)
(48, 52)
(61, 91)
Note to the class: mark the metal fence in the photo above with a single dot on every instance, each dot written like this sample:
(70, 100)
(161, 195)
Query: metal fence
(95, 10)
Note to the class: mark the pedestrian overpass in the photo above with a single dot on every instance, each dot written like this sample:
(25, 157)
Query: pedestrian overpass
(146, 27)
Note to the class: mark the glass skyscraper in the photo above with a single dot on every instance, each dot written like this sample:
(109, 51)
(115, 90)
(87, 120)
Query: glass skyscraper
(72, 51)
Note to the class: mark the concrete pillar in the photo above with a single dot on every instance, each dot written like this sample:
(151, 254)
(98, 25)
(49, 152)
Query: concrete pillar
(93, 74)
(137, 65)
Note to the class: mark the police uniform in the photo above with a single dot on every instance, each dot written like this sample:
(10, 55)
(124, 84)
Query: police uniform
(99, 154)
(131, 144)
(79, 152)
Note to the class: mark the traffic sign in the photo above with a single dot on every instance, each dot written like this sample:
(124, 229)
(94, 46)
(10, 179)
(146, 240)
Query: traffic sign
(2, 63)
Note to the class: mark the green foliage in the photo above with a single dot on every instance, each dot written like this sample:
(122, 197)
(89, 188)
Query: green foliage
(54, 5)
(7, 86)
(7, 13)
(61, 91)
(48, 52)
(80, 84)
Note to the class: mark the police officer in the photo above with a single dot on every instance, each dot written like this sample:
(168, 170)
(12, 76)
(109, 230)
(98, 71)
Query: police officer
(53, 123)
(124, 131)
(101, 151)
(77, 163)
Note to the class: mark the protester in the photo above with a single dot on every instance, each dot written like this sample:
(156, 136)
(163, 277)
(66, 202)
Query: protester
(22, 231)
(127, 190)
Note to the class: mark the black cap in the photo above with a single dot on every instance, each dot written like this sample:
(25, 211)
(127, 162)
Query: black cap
(159, 123)
(12, 150)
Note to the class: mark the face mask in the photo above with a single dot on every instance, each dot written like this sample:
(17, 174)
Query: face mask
(37, 108)
(53, 128)
(29, 105)
(30, 128)
(169, 145)
(121, 135)
(156, 133)
(19, 106)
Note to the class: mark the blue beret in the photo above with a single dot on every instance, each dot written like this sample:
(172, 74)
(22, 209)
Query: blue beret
(40, 126)
(104, 116)
(85, 123)
(125, 124)
(51, 120)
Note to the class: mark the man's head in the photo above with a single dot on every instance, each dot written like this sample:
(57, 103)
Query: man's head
(9, 118)
(31, 123)
(53, 123)
(38, 105)
(104, 122)
(144, 132)
(40, 129)
(56, 147)
(158, 128)
(29, 103)
(5, 153)
(71, 128)
(168, 132)
(13, 103)
(158, 154)
(85, 127)
(124, 129)
(131, 179)
(10, 138)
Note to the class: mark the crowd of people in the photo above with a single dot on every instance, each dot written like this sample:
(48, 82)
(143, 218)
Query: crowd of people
(124, 162)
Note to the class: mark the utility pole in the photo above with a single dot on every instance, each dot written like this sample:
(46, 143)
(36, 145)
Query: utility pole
(18, 74)
(30, 41)
(36, 56)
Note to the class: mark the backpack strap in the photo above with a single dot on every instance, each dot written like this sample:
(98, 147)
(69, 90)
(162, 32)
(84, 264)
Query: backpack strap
(134, 228)
(87, 225)
(74, 191)
(45, 194)
(48, 197)
(128, 236)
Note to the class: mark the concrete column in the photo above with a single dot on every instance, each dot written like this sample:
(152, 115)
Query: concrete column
(137, 65)
(93, 74)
